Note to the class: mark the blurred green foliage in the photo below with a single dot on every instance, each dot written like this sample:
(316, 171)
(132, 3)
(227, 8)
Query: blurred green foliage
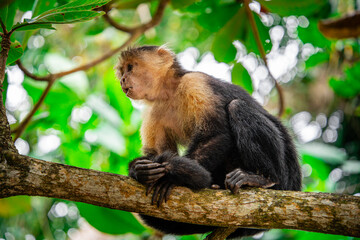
(87, 121)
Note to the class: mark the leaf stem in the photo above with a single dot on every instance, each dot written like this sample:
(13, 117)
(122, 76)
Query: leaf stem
(20, 129)
(263, 55)
(3, 26)
(144, 27)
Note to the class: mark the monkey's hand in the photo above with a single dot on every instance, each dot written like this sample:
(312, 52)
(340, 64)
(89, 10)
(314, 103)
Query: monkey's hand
(148, 172)
(238, 178)
(162, 189)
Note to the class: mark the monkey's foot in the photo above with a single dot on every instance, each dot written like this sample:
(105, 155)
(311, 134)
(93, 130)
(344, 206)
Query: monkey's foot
(238, 178)
(162, 189)
(148, 172)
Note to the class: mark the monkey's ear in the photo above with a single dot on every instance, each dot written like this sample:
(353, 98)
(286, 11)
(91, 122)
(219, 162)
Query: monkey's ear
(164, 50)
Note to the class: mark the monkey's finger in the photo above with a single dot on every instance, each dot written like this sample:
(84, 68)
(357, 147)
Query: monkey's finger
(153, 178)
(165, 190)
(237, 187)
(156, 192)
(236, 176)
(152, 171)
(150, 187)
(143, 161)
(233, 179)
(147, 166)
(242, 183)
(230, 174)
(170, 188)
(164, 164)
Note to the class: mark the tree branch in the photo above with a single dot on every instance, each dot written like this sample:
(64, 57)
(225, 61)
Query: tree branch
(253, 208)
(116, 25)
(3, 27)
(144, 27)
(20, 129)
(263, 55)
(107, 55)
(46, 78)
(6, 142)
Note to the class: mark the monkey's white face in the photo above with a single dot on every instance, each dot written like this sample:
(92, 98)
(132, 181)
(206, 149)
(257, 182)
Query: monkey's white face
(145, 77)
(136, 82)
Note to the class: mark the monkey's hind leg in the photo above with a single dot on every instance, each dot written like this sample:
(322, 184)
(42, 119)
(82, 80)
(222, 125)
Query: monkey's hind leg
(238, 178)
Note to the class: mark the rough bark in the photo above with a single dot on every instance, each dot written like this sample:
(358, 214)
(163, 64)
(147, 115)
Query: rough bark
(254, 208)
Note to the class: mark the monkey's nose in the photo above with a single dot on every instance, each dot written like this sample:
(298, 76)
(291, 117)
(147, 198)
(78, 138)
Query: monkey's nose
(122, 80)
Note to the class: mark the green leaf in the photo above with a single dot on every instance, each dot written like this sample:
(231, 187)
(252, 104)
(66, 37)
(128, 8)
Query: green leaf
(95, 28)
(249, 39)
(343, 88)
(15, 52)
(26, 5)
(239, 29)
(14, 205)
(181, 3)
(312, 35)
(76, 155)
(241, 77)
(64, 17)
(60, 99)
(287, 8)
(349, 86)
(7, 15)
(217, 16)
(317, 58)
(109, 220)
(5, 87)
(5, 3)
(75, 11)
(34, 26)
(117, 98)
(325, 152)
(43, 5)
(77, 5)
(222, 47)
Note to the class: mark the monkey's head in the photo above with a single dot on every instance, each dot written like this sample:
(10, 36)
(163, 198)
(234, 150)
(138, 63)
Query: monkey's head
(145, 72)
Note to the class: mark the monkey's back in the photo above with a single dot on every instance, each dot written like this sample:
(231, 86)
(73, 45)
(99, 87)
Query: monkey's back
(289, 173)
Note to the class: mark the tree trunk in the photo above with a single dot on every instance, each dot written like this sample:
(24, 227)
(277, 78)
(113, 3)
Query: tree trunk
(253, 208)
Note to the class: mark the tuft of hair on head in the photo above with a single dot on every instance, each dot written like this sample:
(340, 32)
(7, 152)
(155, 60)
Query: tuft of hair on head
(164, 49)
(138, 51)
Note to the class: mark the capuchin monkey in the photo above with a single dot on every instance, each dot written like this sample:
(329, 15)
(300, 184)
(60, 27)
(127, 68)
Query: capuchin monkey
(231, 140)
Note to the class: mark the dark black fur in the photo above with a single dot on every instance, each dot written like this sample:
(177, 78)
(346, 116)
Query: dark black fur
(241, 135)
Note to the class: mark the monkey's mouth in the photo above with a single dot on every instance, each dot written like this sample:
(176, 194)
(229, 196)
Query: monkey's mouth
(127, 91)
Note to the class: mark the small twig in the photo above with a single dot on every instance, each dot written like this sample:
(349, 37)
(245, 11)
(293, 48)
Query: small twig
(46, 78)
(220, 233)
(157, 16)
(116, 25)
(3, 27)
(20, 129)
(263, 55)
(101, 59)
(5, 48)
(152, 23)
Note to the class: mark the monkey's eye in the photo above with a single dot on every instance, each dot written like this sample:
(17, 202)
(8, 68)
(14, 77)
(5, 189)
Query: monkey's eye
(130, 67)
